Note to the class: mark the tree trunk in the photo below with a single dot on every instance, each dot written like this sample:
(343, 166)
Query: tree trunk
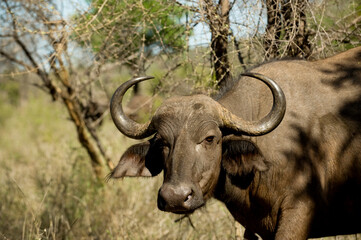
(218, 21)
(286, 31)
(83, 136)
(56, 80)
(296, 27)
(273, 30)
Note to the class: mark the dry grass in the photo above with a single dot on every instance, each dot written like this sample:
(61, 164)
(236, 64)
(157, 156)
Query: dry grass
(48, 190)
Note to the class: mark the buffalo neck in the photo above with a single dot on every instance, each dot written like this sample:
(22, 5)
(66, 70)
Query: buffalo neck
(250, 204)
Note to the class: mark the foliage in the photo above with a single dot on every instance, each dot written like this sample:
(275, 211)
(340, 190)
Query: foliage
(336, 25)
(131, 31)
(35, 38)
(47, 189)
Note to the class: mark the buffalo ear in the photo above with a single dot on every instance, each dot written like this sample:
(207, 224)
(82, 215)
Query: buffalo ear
(139, 160)
(242, 158)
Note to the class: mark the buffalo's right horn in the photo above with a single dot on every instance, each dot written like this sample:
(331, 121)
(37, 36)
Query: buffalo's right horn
(126, 125)
(257, 128)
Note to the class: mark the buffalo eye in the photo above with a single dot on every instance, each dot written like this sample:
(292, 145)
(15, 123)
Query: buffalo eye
(209, 139)
(165, 146)
(162, 143)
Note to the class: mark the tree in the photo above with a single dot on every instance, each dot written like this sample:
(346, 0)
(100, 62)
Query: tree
(35, 38)
(335, 25)
(136, 34)
(130, 32)
(286, 31)
(217, 16)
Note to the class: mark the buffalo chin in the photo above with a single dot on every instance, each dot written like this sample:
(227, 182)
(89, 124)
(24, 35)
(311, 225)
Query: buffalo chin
(181, 211)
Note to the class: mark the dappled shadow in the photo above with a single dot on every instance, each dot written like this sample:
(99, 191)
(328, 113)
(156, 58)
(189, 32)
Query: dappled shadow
(331, 162)
(351, 110)
(327, 152)
(348, 72)
(346, 75)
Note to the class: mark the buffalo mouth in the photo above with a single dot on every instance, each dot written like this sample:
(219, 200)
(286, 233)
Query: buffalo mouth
(177, 209)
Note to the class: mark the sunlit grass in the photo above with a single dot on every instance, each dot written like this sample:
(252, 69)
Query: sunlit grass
(48, 190)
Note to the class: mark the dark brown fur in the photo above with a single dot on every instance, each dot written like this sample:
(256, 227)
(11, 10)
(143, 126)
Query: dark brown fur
(301, 180)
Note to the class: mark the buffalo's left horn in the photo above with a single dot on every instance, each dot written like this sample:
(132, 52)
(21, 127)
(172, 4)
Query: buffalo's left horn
(256, 128)
(126, 125)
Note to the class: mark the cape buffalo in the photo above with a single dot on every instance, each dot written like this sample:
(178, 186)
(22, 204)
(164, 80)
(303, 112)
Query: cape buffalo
(283, 174)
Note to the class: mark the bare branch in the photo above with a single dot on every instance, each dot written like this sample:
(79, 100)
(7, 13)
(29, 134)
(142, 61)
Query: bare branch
(17, 61)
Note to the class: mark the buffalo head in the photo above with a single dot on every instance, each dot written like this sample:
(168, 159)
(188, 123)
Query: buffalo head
(187, 143)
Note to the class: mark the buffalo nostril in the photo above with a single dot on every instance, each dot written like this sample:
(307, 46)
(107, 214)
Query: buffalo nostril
(189, 195)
